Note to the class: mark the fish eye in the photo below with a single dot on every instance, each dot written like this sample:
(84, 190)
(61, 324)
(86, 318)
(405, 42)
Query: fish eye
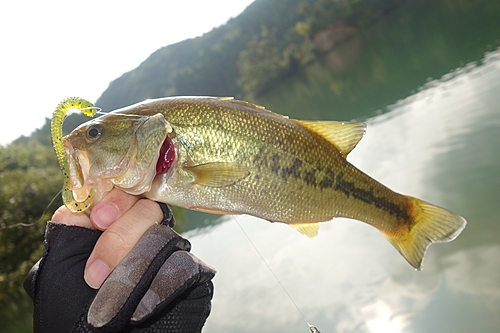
(93, 132)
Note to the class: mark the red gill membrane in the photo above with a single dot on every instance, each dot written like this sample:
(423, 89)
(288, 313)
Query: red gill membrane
(167, 156)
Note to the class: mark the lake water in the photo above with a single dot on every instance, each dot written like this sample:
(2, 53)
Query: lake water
(431, 100)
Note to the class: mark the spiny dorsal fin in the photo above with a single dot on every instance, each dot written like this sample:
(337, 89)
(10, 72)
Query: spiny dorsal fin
(218, 174)
(343, 135)
(307, 229)
(251, 105)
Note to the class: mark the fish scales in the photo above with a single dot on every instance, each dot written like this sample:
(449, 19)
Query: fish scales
(268, 146)
(280, 151)
(235, 157)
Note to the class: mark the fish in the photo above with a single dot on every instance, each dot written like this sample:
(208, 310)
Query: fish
(227, 156)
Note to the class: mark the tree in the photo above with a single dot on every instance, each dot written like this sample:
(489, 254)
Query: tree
(29, 179)
(261, 63)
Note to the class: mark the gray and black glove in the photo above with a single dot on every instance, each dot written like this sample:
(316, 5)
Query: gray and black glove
(158, 287)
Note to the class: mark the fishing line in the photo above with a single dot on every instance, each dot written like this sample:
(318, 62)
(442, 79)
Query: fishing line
(97, 109)
(26, 225)
(16, 225)
(50, 204)
(312, 328)
(101, 112)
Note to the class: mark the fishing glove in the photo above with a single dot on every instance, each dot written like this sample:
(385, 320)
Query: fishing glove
(158, 287)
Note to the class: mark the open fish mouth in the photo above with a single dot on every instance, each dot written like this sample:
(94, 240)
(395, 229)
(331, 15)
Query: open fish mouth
(128, 175)
(79, 167)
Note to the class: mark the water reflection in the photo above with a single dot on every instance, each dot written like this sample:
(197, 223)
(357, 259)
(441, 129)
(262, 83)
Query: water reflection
(419, 41)
(441, 145)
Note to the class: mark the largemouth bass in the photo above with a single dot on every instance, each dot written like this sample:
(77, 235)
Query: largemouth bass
(226, 156)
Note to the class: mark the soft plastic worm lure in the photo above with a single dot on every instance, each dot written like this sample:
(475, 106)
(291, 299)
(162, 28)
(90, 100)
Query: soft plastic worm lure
(58, 116)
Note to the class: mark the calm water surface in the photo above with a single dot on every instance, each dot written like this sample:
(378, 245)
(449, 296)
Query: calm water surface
(441, 144)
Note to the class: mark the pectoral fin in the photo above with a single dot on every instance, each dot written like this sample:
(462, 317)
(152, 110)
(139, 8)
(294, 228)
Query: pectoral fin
(343, 135)
(218, 174)
(307, 229)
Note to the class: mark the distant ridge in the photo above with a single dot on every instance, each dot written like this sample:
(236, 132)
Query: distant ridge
(273, 36)
(205, 65)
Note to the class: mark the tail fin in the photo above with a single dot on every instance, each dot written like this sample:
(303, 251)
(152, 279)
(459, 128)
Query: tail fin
(432, 225)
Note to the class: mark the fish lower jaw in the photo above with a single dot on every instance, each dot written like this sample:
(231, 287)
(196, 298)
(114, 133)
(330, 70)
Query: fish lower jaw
(80, 194)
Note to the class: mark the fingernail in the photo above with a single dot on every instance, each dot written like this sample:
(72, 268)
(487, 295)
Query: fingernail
(96, 273)
(105, 215)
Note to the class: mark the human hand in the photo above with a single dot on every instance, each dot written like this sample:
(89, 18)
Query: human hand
(158, 286)
(124, 218)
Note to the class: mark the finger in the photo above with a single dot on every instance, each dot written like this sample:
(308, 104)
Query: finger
(194, 272)
(64, 216)
(119, 239)
(110, 208)
(114, 297)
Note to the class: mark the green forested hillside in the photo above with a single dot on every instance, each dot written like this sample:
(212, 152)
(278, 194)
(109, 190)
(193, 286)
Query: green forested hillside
(245, 57)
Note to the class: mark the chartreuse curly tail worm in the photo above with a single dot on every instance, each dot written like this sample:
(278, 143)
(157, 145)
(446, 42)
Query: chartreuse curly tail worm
(58, 116)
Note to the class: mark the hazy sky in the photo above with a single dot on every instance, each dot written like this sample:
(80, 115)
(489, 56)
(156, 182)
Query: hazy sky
(51, 50)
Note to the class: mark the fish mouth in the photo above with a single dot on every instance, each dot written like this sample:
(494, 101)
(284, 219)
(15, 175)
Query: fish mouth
(127, 175)
(78, 164)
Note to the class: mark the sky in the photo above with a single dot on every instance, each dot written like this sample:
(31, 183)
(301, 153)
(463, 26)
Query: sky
(51, 50)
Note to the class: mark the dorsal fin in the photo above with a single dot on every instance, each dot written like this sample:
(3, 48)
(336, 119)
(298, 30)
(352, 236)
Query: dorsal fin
(343, 135)
(251, 105)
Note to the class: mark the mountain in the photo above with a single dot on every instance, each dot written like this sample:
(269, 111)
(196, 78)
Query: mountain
(243, 58)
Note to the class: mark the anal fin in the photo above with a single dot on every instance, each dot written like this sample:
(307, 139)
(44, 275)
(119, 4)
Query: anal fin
(309, 229)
